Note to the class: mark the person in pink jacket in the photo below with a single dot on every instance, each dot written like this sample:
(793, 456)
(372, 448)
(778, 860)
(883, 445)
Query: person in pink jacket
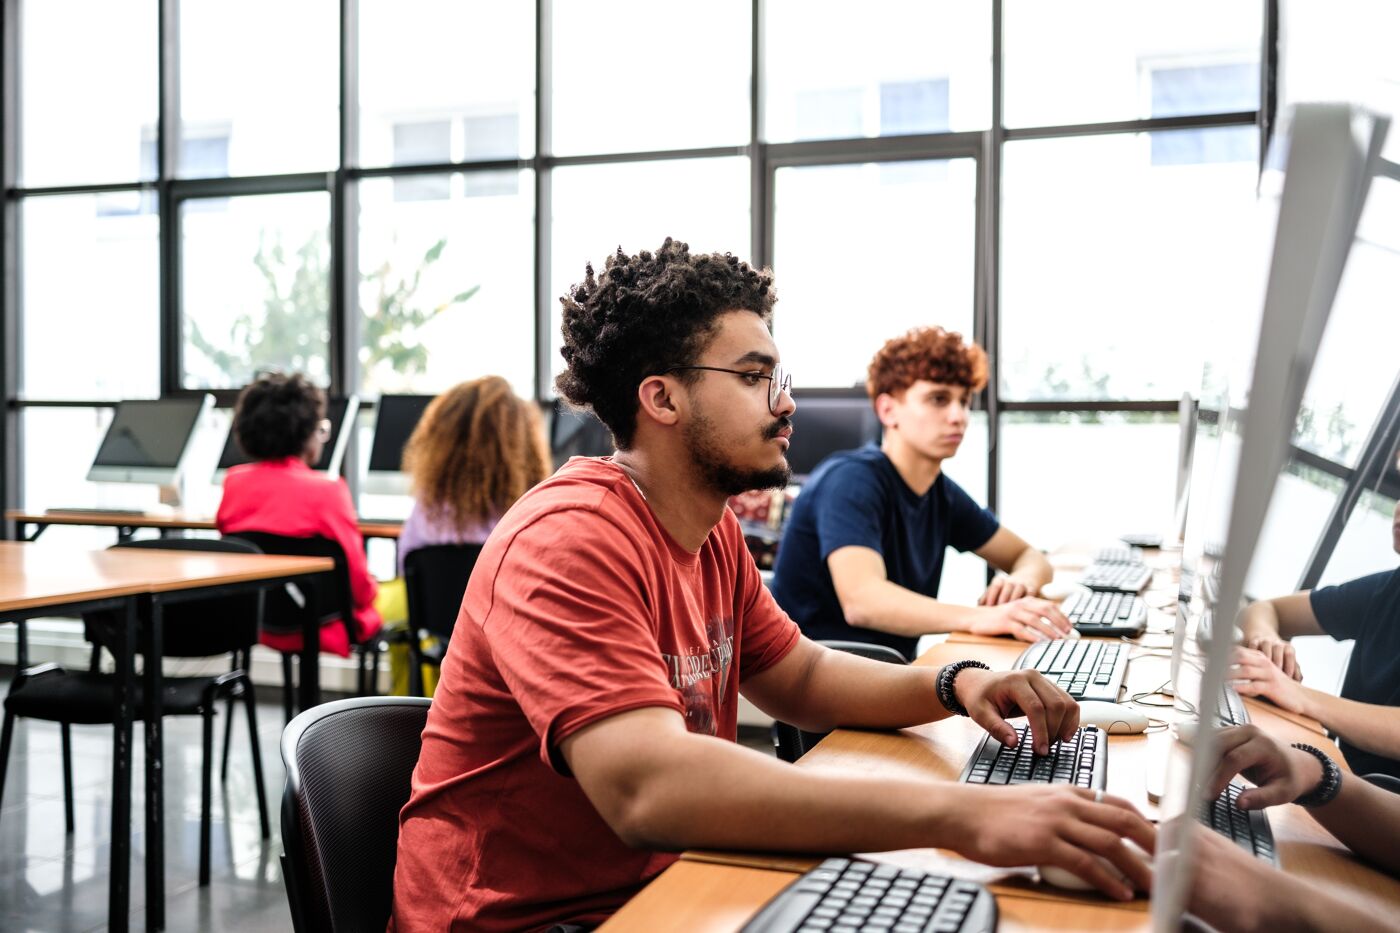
(280, 422)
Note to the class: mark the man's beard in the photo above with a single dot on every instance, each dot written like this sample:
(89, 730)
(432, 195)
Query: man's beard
(721, 475)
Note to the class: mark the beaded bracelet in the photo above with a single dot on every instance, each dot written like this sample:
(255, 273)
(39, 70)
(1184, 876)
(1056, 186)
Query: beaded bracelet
(946, 678)
(1327, 788)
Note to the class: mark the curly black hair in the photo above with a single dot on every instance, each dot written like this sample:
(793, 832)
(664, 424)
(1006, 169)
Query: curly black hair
(276, 415)
(644, 314)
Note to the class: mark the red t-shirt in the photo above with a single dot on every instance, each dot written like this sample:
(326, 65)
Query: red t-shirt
(581, 606)
(287, 497)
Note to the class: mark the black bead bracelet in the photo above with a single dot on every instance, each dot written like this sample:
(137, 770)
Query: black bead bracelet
(1331, 784)
(946, 678)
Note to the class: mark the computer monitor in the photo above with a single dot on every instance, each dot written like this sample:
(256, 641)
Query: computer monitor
(1328, 154)
(148, 439)
(395, 417)
(825, 424)
(576, 433)
(340, 412)
(1185, 453)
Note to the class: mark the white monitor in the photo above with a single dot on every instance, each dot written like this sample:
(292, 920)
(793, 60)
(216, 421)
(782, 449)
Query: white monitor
(1328, 154)
(395, 417)
(148, 439)
(340, 412)
(1189, 420)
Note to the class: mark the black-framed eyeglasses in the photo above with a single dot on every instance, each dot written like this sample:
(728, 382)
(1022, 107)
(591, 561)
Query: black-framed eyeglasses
(778, 380)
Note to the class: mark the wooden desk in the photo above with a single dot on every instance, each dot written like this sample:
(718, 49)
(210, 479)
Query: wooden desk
(721, 891)
(127, 524)
(39, 580)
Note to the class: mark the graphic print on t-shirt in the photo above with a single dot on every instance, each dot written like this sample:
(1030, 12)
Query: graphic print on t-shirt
(701, 674)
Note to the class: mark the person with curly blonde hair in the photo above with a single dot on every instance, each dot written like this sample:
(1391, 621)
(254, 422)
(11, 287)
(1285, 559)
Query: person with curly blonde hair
(477, 448)
(862, 555)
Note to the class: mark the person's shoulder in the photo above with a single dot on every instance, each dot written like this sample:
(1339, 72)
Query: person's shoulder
(585, 495)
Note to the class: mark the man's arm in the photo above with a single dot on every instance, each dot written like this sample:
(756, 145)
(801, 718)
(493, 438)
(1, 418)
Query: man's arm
(817, 689)
(1369, 726)
(870, 600)
(659, 786)
(1269, 624)
(1026, 569)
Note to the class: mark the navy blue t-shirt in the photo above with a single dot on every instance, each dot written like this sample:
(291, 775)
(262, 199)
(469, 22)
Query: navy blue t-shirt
(857, 497)
(1368, 610)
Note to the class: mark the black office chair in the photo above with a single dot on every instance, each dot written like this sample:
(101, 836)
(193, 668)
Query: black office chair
(349, 767)
(327, 596)
(1384, 781)
(192, 629)
(435, 578)
(790, 742)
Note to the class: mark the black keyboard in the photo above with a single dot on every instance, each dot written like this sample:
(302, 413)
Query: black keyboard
(1117, 578)
(1142, 540)
(1080, 761)
(1249, 829)
(1099, 613)
(845, 896)
(1086, 670)
(1232, 711)
(1118, 554)
(93, 510)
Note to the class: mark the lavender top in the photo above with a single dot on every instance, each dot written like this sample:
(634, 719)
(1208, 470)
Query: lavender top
(421, 529)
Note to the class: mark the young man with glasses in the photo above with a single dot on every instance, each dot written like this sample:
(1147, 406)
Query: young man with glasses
(862, 555)
(583, 729)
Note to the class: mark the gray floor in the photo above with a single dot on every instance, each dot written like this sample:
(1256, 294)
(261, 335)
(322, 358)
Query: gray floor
(53, 882)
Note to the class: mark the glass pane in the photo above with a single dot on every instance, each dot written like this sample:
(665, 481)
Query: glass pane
(258, 89)
(414, 76)
(634, 76)
(1356, 363)
(255, 288)
(447, 284)
(1111, 473)
(96, 273)
(914, 223)
(1114, 262)
(1341, 51)
(1302, 501)
(884, 68)
(88, 95)
(1093, 61)
(1367, 544)
(703, 202)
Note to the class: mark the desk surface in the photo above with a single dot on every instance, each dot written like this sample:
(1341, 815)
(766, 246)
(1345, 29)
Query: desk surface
(38, 575)
(176, 521)
(720, 891)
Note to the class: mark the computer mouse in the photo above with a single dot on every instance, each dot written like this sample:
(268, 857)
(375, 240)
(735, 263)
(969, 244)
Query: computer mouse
(1067, 880)
(1060, 589)
(1186, 731)
(1112, 718)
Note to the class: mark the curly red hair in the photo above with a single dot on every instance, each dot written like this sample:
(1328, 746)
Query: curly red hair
(929, 353)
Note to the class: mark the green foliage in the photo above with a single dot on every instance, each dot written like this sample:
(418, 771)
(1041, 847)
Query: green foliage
(293, 332)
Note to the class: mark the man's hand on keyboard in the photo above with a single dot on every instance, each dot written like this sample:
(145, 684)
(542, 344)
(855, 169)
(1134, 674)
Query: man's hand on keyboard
(1278, 651)
(1254, 675)
(1283, 774)
(1029, 618)
(992, 697)
(1062, 826)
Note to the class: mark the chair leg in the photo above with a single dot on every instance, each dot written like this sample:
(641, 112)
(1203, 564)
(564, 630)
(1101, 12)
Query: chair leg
(416, 687)
(228, 724)
(67, 738)
(287, 687)
(6, 734)
(251, 703)
(206, 794)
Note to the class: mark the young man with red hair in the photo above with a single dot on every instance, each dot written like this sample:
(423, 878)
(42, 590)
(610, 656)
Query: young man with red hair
(862, 555)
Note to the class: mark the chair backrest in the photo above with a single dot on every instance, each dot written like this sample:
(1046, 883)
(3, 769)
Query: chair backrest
(790, 742)
(349, 766)
(201, 628)
(327, 595)
(435, 578)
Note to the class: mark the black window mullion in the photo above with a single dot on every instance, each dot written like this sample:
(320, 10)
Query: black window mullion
(544, 147)
(11, 433)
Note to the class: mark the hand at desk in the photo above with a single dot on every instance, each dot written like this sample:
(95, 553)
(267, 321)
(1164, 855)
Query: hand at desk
(1255, 675)
(1029, 618)
(1003, 589)
(1062, 826)
(1283, 774)
(1279, 652)
(992, 697)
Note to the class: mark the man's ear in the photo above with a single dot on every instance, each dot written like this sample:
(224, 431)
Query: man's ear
(657, 401)
(885, 409)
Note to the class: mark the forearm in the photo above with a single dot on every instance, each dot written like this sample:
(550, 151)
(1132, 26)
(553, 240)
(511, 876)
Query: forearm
(1368, 726)
(889, 607)
(1303, 907)
(1032, 569)
(1366, 819)
(753, 801)
(1259, 620)
(844, 690)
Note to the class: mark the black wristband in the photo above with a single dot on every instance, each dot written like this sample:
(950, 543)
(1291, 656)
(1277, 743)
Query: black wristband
(1331, 784)
(946, 678)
